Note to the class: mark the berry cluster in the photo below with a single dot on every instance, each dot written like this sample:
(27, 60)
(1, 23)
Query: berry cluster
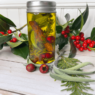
(81, 43)
(43, 68)
(65, 32)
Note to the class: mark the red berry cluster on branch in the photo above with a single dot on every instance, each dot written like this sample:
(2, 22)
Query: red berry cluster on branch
(65, 32)
(81, 43)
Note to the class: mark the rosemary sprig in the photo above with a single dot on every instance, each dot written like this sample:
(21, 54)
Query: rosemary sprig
(77, 88)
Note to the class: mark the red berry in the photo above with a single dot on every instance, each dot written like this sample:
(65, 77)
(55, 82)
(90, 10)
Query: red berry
(65, 35)
(30, 67)
(9, 31)
(89, 49)
(93, 42)
(19, 34)
(63, 32)
(77, 41)
(81, 34)
(43, 55)
(67, 30)
(84, 41)
(91, 45)
(48, 55)
(67, 27)
(85, 48)
(84, 45)
(81, 48)
(2, 33)
(73, 37)
(51, 39)
(77, 37)
(88, 41)
(14, 40)
(82, 38)
(78, 45)
(11, 40)
(44, 68)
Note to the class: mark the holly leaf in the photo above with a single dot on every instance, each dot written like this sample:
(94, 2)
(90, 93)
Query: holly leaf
(1, 46)
(24, 36)
(4, 39)
(17, 36)
(59, 29)
(67, 16)
(93, 34)
(61, 41)
(21, 50)
(8, 21)
(77, 23)
(13, 45)
(3, 26)
(72, 49)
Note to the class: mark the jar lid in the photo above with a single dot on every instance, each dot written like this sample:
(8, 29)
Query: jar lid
(41, 6)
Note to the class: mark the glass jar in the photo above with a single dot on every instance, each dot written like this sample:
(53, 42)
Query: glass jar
(41, 21)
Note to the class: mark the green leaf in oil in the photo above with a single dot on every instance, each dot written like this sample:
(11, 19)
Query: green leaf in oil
(33, 39)
(42, 21)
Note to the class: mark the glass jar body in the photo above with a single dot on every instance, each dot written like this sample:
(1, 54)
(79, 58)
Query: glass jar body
(41, 34)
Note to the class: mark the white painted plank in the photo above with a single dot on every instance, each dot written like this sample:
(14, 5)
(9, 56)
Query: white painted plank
(14, 16)
(19, 80)
(72, 12)
(2, 92)
(23, 19)
(24, 1)
(58, 14)
(6, 54)
(3, 12)
(62, 18)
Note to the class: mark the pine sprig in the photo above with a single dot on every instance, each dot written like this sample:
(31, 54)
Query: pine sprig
(77, 88)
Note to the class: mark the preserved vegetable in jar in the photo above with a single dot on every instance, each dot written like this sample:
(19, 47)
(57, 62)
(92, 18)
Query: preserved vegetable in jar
(41, 31)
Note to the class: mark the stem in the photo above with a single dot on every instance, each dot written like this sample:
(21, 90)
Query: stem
(79, 66)
(20, 28)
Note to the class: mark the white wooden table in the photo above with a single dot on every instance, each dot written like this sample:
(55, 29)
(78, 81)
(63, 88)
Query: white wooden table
(15, 80)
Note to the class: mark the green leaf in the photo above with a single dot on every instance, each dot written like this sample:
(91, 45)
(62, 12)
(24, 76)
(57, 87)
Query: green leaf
(13, 45)
(33, 39)
(67, 16)
(3, 26)
(24, 36)
(1, 46)
(82, 22)
(8, 21)
(59, 29)
(66, 24)
(72, 50)
(17, 36)
(21, 50)
(4, 39)
(77, 23)
(61, 41)
(93, 34)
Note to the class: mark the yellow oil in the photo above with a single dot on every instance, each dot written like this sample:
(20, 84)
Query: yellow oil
(41, 34)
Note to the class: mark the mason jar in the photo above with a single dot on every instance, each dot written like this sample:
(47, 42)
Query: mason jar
(41, 22)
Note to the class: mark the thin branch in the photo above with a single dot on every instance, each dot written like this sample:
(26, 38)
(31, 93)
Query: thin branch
(19, 28)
